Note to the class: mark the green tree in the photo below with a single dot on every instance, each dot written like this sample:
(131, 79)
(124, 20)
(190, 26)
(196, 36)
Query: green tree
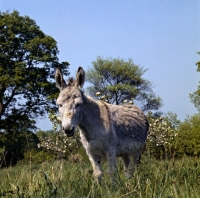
(189, 136)
(195, 97)
(119, 80)
(28, 58)
(14, 142)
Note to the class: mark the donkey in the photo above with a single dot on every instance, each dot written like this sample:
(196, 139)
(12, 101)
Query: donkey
(106, 131)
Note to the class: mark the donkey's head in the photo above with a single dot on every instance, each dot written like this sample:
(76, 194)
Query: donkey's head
(70, 100)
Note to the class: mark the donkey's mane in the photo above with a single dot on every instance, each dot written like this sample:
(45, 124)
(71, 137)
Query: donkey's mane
(71, 81)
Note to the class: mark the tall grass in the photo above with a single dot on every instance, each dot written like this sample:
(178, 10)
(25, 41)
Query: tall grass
(179, 178)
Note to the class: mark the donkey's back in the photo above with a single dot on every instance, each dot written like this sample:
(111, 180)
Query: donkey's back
(131, 126)
(129, 122)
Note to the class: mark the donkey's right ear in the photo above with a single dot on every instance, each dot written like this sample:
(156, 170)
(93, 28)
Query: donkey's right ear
(60, 82)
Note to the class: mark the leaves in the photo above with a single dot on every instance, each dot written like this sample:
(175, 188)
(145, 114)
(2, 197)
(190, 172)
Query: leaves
(121, 80)
(189, 136)
(28, 58)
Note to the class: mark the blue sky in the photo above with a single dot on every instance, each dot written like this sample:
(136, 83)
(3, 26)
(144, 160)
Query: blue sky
(162, 36)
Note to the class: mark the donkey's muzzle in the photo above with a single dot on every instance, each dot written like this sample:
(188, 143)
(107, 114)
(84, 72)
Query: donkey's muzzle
(69, 130)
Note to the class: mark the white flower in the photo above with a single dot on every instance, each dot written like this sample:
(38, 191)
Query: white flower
(125, 101)
(131, 102)
(58, 118)
(164, 123)
(103, 97)
(98, 93)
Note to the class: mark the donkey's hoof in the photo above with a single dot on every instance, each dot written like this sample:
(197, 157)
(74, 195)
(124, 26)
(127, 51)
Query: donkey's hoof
(98, 176)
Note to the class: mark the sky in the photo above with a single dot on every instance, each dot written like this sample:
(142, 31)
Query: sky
(162, 36)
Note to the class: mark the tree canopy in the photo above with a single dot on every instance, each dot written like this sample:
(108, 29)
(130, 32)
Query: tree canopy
(119, 80)
(28, 58)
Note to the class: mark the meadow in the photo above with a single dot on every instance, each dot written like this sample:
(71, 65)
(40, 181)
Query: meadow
(61, 178)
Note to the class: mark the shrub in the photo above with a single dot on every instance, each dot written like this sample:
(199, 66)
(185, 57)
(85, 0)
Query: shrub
(162, 137)
(189, 137)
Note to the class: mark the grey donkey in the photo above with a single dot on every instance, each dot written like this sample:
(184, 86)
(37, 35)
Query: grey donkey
(107, 131)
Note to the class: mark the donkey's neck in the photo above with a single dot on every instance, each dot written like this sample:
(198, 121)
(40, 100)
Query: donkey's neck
(95, 116)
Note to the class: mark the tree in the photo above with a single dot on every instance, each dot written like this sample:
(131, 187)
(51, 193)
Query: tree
(28, 58)
(195, 97)
(14, 142)
(189, 136)
(119, 80)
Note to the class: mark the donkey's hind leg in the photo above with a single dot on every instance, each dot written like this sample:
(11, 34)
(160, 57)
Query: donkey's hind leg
(136, 159)
(128, 167)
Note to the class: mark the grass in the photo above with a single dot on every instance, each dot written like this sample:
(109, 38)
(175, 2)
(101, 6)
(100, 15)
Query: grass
(153, 178)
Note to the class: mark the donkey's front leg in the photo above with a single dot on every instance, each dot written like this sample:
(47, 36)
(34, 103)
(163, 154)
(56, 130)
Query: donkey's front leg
(97, 170)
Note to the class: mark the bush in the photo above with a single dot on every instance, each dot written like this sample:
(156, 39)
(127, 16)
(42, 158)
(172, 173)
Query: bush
(162, 137)
(14, 145)
(38, 156)
(189, 137)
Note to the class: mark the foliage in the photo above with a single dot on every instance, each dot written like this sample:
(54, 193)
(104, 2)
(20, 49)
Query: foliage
(119, 80)
(28, 58)
(189, 136)
(162, 136)
(168, 137)
(56, 142)
(14, 144)
(153, 178)
(195, 97)
(36, 156)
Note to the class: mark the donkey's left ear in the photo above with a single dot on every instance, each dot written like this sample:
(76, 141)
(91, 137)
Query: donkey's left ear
(80, 77)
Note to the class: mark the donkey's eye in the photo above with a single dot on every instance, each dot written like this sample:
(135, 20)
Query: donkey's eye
(77, 105)
(60, 105)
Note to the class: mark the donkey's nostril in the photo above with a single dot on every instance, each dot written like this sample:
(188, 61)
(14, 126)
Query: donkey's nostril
(68, 129)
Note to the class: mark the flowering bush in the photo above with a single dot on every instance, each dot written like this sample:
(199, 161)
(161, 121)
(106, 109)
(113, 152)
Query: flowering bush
(57, 142)
(162, 137)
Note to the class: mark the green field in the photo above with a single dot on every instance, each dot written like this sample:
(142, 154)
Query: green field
(153, 178)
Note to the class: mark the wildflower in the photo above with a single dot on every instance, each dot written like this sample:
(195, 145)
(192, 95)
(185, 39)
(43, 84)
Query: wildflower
(103, 97)
(98, 93)
(164, 123)
(125, 101)
(58, 118)
(157, 120)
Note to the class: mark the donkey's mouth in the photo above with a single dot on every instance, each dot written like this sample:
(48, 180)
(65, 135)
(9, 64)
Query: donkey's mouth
(69, 133)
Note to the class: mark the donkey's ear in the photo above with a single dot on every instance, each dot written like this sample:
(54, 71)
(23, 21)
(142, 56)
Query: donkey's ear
(80, 77)
(60, 82)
